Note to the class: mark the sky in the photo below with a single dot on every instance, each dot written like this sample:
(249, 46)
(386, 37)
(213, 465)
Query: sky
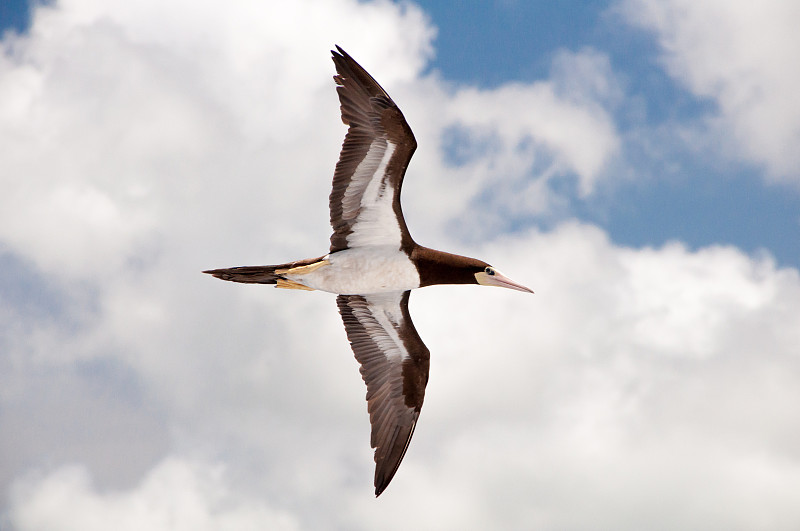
(634, 162)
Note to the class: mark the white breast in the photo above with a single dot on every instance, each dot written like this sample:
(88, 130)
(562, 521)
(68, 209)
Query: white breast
(359, 271)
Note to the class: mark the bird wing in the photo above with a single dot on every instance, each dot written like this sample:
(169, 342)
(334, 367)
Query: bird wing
(365, 199)
(394, 365)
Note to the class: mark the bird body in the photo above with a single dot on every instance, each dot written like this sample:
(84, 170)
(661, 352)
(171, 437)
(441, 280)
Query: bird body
(373, 264)
(362, 270)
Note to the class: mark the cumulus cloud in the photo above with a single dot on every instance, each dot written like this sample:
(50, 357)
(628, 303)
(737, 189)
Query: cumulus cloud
(655, 385)
(175, 495)
(147, 142)
(505, 147)
(638, 386)
(742, 56)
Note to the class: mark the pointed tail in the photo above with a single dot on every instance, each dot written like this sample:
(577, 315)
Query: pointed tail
(247, 274)
(258, 274)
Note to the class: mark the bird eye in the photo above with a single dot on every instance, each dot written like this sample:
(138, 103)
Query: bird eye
(489, 271)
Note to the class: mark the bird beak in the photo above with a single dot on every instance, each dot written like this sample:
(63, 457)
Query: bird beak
(500, 280)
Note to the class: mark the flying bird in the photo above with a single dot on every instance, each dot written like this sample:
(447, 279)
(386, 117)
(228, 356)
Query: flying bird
(373, 263)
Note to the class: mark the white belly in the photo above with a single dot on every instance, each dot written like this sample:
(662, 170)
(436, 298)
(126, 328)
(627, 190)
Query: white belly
(362, 271)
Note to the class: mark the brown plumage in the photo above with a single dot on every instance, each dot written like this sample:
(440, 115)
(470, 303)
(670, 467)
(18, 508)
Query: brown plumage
(373, 264)
(258, 274)
(374, 120)
(395, 389)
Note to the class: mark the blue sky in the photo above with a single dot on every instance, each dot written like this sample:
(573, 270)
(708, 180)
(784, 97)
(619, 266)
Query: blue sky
(701, 202)
(683, 195)
(15, 14)
(634, 162)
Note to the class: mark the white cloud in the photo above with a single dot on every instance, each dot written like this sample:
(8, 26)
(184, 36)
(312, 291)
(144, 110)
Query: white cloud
(175, 495)
(113, 118)
(635, 386)
(504, 147)
(147, 145)
(743, 56)
(580, 138)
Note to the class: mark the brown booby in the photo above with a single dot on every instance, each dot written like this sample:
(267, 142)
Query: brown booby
(373, 263)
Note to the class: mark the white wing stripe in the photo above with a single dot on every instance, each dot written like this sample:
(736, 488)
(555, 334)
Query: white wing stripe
(361, 178)
(375, 188)
(385, 336)
(376, 223)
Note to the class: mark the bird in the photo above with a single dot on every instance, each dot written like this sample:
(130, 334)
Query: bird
(373, 263)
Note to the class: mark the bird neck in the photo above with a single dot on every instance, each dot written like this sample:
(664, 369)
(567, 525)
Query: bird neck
(437, 267)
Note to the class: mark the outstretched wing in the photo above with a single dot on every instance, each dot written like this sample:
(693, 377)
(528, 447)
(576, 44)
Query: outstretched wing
(394, 364)
(365, 199)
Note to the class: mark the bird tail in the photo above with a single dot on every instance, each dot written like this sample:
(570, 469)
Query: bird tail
(268, 274)
(247, 274)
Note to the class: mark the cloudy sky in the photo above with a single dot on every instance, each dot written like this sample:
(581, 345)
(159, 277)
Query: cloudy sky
(635, 162)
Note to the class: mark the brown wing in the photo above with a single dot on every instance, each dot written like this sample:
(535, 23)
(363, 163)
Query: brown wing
(394, 364)
(365, 199)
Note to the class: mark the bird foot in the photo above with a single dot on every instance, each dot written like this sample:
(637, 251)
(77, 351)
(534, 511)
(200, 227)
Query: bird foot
(291, 284)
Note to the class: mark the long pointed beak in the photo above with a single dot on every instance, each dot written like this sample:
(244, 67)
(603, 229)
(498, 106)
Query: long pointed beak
(502, 281)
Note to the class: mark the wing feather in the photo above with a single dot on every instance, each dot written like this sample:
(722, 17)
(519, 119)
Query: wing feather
(394, 365)
(365, 197)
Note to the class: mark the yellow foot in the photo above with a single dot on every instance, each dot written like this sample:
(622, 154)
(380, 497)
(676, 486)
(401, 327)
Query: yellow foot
(302, 270)
(291, 284)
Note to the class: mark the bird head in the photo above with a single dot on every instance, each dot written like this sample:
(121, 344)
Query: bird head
(489, 276)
